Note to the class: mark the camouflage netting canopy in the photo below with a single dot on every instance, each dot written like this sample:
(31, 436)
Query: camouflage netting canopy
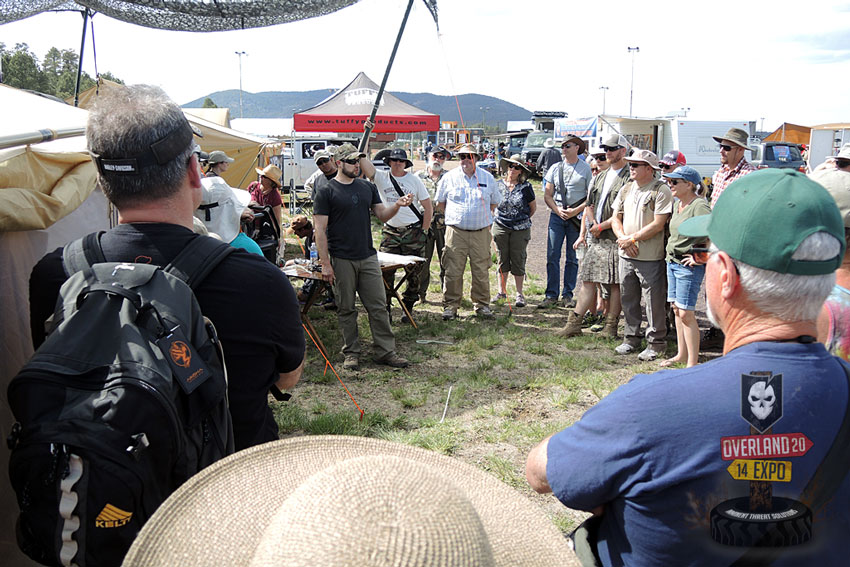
(184, 15)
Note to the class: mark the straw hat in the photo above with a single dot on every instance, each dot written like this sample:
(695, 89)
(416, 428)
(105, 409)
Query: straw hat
(347, 501)
(515, 159)
(271, 171)
(221, 207)
(467, 149)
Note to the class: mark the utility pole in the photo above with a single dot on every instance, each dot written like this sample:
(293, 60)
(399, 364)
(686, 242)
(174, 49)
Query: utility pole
(240, 54)
(604, 91)
(483, 110)
(632, 50)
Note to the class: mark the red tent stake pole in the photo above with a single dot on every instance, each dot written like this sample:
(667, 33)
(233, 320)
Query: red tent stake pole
(368, 130)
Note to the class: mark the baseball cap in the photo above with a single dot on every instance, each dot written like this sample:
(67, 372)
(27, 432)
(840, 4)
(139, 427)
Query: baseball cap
(837, 182)
(796, 207)
(442, 150)
(673, 157)
(219, 156)
(348, 151)
(615, 141)
(685, 172)
(322, 154)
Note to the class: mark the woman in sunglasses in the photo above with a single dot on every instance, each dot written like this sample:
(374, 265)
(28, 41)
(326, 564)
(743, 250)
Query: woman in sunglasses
(685, 268)
(512, 226)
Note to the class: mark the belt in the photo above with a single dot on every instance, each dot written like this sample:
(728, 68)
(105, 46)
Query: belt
(465, 230)
(417, 223)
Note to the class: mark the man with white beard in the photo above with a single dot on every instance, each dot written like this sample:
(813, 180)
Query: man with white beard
(431, 176)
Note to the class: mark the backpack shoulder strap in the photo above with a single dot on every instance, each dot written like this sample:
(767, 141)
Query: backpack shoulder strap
(198, 259)
(82, 253)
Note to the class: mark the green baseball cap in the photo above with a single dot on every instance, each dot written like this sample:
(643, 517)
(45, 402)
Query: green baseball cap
(762, 218)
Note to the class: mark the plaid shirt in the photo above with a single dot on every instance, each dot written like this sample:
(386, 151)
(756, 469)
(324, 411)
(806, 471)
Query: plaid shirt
(726, 175)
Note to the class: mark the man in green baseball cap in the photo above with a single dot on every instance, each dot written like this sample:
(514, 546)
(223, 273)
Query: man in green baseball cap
(685, 453)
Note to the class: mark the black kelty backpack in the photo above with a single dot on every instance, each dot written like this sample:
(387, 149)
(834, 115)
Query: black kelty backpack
(122, 403)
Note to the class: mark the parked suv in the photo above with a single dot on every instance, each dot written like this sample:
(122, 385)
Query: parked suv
(778, 154)
(534, 147)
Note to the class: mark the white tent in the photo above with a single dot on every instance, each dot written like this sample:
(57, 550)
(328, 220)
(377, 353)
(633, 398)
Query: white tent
(47, 198)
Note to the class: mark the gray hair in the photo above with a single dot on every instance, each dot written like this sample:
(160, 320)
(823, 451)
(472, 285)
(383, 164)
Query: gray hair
(124, 123)
(791, 297)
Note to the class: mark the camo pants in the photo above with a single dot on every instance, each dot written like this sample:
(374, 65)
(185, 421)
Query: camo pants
(409, 240)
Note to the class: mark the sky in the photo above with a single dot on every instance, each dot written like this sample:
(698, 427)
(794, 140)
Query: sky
(783, 61)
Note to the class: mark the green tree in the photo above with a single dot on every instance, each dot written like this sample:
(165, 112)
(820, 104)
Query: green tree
(21, 70)
(208, 103)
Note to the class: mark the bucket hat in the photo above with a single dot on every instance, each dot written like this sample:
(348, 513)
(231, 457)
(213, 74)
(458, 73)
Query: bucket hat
(796, 206)
(219, 156)
(515, 159)
(582, 145)
(685, 172)
(549, 143)
(645, 156)
(467, 149)
(398, 153)
(347, 501)
(735, 136)
(271, 171)
(221, 207)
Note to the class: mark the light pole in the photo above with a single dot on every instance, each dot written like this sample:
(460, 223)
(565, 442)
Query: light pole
(483, 110)
(240, 54)
(604, 91)
(632, 50)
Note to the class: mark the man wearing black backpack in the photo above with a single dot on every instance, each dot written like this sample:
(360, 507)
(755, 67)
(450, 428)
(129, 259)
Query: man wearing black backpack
(148, 170)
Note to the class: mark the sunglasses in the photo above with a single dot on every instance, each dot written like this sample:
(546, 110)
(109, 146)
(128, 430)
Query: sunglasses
(322, 161)
(351, 161)
(665, 167)
(515, 166)
(634, 165)
(600, 157)
(396, 160)
(674, 181)
(725, 148)
(464, 156)
(569, 145)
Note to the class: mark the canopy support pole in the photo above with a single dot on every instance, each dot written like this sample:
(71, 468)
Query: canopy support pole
(368, 130)
(80, 65)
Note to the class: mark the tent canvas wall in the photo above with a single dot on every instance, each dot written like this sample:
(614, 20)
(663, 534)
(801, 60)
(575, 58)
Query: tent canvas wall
(347, 109)
(47, 198)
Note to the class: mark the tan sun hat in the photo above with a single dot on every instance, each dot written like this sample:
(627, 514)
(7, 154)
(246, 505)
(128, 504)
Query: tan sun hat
(347, 501)
(466, 149)
(515, 159)
(838, 184)
(271, 171)
(736, 136)
(645, 156)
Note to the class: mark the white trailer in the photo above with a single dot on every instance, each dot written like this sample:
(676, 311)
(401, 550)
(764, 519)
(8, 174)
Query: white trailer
(826, 140)
(695, 139)
(296, 161)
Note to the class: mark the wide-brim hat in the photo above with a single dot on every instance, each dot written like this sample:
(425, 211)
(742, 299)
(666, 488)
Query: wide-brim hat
(398, 153)
(549, 143)
(219, 156)
(347, 501)
(515, 159)
(837, 182)
(221, 207)
(645, 156)
(735, 136)
(271, 171)
(844, 153)
(467, 149)
(582, 145)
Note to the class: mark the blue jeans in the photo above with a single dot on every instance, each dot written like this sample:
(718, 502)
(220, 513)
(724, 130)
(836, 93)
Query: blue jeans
(560, 230)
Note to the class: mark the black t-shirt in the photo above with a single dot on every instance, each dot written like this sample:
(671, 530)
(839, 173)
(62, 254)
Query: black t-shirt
(248, 299)
(348, 208)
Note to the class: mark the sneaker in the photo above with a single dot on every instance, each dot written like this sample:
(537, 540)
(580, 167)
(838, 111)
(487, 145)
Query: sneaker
(625, 348)
(598, 326)
(649, 353)
(501, 296)
(520, 300)
(393, 360)
(484, 312)
(449, 314)
(352, 362)
(329, 306)
(568, 302)
(547, 303)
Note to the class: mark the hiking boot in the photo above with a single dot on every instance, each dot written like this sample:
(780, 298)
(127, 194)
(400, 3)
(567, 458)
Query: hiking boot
(612, 322)
(484, 312)
(650, 353)
(573, 326)
(568, 302)
(393, 360)
(499, 296)
(625, 348)
(547, 303)
(351, 362)
(449, 313)
(520, 300)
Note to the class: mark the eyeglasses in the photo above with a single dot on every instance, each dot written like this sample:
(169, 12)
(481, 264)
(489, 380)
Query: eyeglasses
(665, 166)
(351, 161)
(464, 156)
(322, 161)
(725, 148)
(600, 157)
(569, 145)
(515, 166)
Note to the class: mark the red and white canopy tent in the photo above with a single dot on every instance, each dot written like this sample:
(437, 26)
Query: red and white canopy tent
(347, 109)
